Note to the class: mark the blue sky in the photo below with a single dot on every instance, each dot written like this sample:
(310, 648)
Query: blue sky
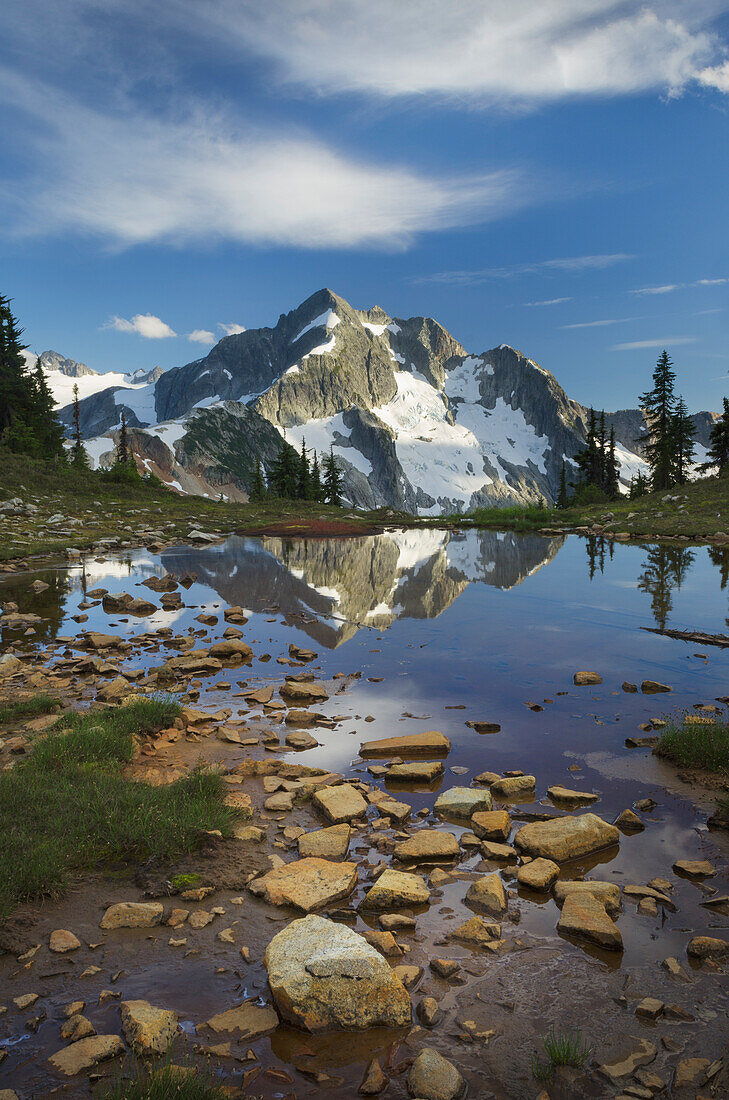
(548, 175)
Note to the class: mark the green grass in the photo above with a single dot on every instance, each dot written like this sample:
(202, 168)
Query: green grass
(696, 744)
(185, 882)
(28, 708)
(562, 1049)
(167, 1083)
(67, 807)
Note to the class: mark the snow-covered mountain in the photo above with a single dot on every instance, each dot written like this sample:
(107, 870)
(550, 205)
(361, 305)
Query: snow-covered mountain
(415, 420)
(63, 374)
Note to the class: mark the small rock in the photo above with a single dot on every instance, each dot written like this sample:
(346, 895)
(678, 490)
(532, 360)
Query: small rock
(428, 1012)
(707, 947)
(374, 1080)
(86, 1053)
(249, 1020)
(132, 914)
(629, 822)
(488, 895)
(432, 1077)
(586, 679)
(428, 844)
(585, 917)
(62, 941)
(694, 868)
(77, 1027)
(396, 890)
(652, 687)
(539, 874)
(650, 1008)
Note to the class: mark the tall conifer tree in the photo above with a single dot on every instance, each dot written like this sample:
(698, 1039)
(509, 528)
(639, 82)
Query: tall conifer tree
(717, 454)
(659, 405)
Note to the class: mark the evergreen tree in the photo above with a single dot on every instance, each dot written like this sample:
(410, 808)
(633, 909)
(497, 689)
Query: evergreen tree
(602, 454)
(562, 497)
(638, 486)
(683, 432)
(612, 479)
(317, 489)
(659, 406)
(258, 488)
(14, 385)
(303, 475)
(79, 457)
(122, 447)
(49, 429)
(718, 452)
(283, 475)
(333, 484)
(587, 459)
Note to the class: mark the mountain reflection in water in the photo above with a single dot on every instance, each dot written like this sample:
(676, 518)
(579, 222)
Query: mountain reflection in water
(333, 587)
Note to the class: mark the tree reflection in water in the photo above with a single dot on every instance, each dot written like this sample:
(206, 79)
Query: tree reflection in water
(664, 569)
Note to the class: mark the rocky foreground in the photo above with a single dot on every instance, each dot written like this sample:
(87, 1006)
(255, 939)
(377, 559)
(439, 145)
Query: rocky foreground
(340, 940)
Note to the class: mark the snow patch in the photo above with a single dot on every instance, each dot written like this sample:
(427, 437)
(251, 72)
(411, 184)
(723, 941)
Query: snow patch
(376, 330)
(327, 432)
(327, 320)
(322, 349)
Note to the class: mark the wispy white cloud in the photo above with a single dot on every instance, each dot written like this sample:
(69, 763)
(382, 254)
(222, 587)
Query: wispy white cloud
(231, 329)
(144, 324)
(668, 288)
(549, 302)
(486, 52)
(201, 336)
(662, 342)
(600, 324)
(132, 178)
(566, 264)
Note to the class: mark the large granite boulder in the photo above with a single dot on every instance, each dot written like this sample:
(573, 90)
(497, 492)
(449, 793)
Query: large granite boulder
(566, 838)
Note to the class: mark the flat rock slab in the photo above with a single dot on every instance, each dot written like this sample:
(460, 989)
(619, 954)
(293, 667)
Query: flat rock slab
(341, 803)
(607, 893)
(62, 941)
(303, 694)
(416, 771)
(517, 788)
(708, 947)
(324, 976)
(86, 1053)
(477, 933)
(330, 843)
(308, 884)
(397, 890)
(694, 868)
(147, 1029)
(491, 824)
(487, 895)
(566, 838)
(563, 796)
(132, 914)
(462, 802)
(538, 874)
(433, 1077)
(626, 1057)
(652, 687)
(587, 918)
(431, 743)
(427, 844)
(249, 1020)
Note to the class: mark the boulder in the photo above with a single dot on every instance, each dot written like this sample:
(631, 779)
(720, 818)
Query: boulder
(708, 947)
(249, 1020)
(431, 743)
(565, 797)
(538, 874)
(396, 890)
(149, 1030)
(433, 1077)
(607, 893)
(517, 788)
(491, 824)
(488, 895)
(462, 802)
(652, 687)
(325, 976)
(132, 914)
(331, 843)
(340, 803)
(231, 649)
(584, 679)
(9, 665)
(426, 845)
(566, 838)
(86, 1053)
(74, 1028)
(585, 917)
(303, 694)
(308, 884)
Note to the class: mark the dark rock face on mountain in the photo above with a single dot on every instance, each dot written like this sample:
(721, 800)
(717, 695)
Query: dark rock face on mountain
(414, 420)
(54, 361)
(629, 427)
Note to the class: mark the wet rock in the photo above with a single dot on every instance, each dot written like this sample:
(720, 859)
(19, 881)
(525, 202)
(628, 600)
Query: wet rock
(566, 838)
(231, 649)
(538, 874)
(281, 802)
(341, 803)
(431, 743)
(491, 824)
(649, 1008)
(62, 941)
(323, 975)
(487, 895)
(396, 890)
(694, 868)
(585, 679)
(149, 1030)
(626, 1056)
(629, 822)
(502, 853)
(300, 739)
(9, 665)
(563, 796)
(330, 843)
(303, 694)
(585, 917)
(415, 771)
(485, 727)
(114, 690)
(477, 933)
(652, 687)
(426, 845)
(76, 1027)
(641, 742)
(249, 1020)
(428, 1012)
(86, 1053)
(408, 975)
(395, 811)
(374, 1080)
(631, 689)
(384, 942)
(396, 922)
(516, 787)
(432, 1077)
(462, 802)
(300, 654)
(308, 884)
(445, 968)
(673, 967)
(487, 778)
(132, 914)
(607, 893)
(707, 947)
(691, 1073)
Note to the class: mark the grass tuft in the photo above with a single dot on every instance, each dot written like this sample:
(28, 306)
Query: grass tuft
(697, 744)
(67, 807)
(562, 1048)
(28, 708)
(171, 1082)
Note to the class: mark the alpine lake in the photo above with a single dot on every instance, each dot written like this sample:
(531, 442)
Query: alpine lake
(412, 631)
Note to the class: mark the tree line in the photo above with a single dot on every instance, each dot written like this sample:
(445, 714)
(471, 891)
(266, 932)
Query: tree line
(298, 476)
